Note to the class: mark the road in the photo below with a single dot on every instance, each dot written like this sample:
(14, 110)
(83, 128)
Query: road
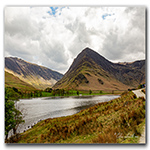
(142, 138)
(138, 94)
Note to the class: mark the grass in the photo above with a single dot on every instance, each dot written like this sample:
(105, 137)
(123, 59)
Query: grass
(39, 93)
(131, 137)
(116, 121)
(13, 81)
(83, 93)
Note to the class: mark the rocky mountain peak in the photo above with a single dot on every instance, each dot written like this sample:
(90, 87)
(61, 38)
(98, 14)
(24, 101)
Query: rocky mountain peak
(92, 67)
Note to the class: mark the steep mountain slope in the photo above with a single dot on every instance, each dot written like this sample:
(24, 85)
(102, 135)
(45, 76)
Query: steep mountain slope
(13, 81)
(92, 71)
(131, 74)
(38, 76)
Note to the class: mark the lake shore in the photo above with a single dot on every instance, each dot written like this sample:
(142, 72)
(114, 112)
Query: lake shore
(56, 107)
(108, 122)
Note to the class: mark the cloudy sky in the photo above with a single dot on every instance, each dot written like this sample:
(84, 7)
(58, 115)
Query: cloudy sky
(53, 36)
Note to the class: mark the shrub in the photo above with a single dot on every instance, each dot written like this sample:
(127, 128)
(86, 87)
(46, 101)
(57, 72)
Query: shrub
(90, 91)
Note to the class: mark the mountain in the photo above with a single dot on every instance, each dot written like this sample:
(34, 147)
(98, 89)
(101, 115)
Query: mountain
(90, 70)
(13, 81)
(38, 76)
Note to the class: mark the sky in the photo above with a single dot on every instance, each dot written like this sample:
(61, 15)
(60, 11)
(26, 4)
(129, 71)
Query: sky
(54, 36)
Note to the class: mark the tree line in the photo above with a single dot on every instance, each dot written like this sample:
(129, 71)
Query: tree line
(65, 92)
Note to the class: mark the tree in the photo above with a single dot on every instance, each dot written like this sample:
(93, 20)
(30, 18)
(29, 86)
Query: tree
(62, 92)
(140, 86)
(77, 92)
(58, 92)
(31, 94)
(53, 92)
(10, 93)
(48, 90)
(13, 117)
(35, 93)
(90, 92)
(40, 93)
(18, 120)
(9, 116)
(15, 89)
(67, 92)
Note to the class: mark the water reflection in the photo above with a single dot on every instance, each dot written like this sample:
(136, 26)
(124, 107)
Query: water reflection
(42, 108)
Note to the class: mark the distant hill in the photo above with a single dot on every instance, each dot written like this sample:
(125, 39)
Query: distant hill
(38, 76)
(13, 81)
(90, 70)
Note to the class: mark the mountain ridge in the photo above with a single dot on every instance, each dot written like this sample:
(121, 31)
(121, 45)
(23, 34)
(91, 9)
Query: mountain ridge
(38, 76)
(90, 64)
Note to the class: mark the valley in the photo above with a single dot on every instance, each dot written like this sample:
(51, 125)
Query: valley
(75, 75)
(89, 71)
(89, 75)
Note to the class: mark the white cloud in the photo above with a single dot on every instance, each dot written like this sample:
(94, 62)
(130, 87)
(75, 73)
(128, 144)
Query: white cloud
(53, 38)
(127, 38)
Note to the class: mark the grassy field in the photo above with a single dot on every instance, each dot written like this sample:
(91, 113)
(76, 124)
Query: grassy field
(85, 92)
(117, 121)
(70, 93)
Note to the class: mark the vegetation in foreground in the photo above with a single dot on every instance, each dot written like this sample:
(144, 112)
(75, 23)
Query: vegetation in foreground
(13, 117)
(116, 121)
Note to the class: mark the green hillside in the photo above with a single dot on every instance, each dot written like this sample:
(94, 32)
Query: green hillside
(13, 81)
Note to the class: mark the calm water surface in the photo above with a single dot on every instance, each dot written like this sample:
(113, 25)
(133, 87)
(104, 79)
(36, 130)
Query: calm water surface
(42, 108)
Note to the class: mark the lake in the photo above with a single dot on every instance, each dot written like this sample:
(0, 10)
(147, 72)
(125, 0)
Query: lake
(37, 109)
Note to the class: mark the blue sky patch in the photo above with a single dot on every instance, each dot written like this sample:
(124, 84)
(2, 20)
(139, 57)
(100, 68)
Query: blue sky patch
(105, 15)
(54, 10)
